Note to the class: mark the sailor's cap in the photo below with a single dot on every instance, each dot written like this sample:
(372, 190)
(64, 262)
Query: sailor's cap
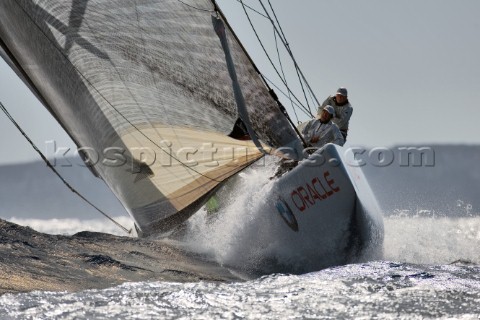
(330, 110)
(342, 91)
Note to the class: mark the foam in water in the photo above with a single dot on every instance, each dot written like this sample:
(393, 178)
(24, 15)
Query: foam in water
(244, 234)
(430, 240)
(225, 235)
(413, 239)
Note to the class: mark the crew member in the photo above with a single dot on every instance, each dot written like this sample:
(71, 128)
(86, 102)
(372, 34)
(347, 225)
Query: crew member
(316, 133)
(343, 110)
(322, 130)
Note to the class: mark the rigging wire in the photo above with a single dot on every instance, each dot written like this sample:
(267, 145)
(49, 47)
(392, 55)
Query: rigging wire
(287, 45)
(312, 99)
(254, 10)
(284, 39)
(270, 59)
(285, 95)
(283, 73)
(49, 164)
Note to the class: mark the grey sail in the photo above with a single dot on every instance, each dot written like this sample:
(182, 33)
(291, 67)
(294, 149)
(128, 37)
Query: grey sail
(144, 89)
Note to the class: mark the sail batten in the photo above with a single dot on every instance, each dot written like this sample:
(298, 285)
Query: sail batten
(145, 88)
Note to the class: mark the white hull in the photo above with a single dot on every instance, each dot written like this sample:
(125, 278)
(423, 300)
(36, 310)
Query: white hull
(313, 217)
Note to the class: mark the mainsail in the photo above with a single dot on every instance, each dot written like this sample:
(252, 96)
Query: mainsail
(143, 88)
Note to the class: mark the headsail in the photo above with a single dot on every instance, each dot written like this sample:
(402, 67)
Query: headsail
(144, 88)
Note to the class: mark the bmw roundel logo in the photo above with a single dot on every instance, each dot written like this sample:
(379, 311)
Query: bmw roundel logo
(287, 215)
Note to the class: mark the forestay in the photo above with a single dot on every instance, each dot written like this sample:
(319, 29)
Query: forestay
(143, 87)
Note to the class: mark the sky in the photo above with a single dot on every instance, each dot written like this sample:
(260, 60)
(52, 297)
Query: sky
(411, 68)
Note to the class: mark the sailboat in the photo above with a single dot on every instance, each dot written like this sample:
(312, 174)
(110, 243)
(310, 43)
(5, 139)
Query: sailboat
(166, 105)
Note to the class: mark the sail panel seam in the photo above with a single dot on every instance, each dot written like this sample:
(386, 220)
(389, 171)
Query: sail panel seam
(196, 8)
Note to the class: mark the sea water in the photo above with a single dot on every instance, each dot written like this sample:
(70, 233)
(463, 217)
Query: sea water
(431, 269)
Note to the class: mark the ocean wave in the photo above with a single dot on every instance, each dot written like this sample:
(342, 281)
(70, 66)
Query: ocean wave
(71, 226)
(432, 240)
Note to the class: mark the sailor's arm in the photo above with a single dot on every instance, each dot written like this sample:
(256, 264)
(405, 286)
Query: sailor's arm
(307, 132)
(342, 118)
(337, 135)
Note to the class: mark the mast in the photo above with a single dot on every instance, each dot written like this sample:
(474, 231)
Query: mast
(270, 90)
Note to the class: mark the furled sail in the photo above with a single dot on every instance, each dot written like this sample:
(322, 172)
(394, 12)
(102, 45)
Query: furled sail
(143, 87)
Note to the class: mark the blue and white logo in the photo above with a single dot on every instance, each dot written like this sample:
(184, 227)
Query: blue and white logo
(286, 213)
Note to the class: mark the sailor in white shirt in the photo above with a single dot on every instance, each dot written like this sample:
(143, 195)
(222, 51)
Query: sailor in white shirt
(320, 131)
(316, 133)
(343, 109)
